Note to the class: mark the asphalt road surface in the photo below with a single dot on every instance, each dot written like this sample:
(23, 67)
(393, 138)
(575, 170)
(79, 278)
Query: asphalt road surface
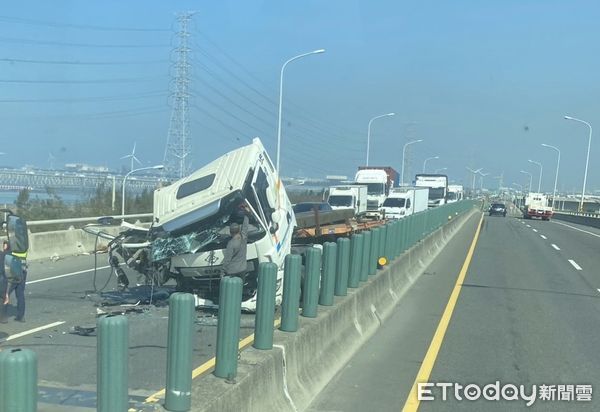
(60, 296)
(528, 313)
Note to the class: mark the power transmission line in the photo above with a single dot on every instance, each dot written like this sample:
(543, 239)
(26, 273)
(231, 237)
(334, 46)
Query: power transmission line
(81, 63)
(86, 45)
(20, 20)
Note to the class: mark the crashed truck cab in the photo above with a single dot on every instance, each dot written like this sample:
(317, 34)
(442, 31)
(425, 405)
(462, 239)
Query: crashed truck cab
(192, 218)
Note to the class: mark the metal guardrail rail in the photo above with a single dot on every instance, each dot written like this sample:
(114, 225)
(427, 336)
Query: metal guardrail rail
(85, 219)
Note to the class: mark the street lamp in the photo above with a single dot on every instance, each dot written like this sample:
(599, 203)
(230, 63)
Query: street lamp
(440, 169)
(157, 167)
(428, 159)
(557, 166)
(540, 178)
(403, 156)
(369, 131)
(587, 160)
(530, 179)
(281, 98)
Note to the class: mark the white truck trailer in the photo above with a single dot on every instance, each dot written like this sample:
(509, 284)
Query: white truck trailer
(348, 197)
(455, 193)
(405, 201)
(438, 187)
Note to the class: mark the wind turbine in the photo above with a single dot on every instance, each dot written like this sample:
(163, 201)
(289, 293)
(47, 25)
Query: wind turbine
(132, 157)
(474, 173)
(482, 175)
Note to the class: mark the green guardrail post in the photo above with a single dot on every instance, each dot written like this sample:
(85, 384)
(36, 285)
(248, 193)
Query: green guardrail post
(265, 305)
(311, 283)
(366, 257)
(375, 235)
(18, 380)
(328, 274)
(382, 240)
(355, 260)
(389, 242)
(343, 265)
(401, 233)
(290, 304)
(178, 390)
(112, 364)
(228, 327)
(396, 238)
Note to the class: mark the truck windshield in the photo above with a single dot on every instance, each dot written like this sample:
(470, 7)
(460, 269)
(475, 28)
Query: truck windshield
(436, 193)
(375, 188)
(394, 202)
(338, 200)
(452, 195)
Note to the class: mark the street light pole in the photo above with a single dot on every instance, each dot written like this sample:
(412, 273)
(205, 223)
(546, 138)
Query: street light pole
(281, 99)
(428, 159)
(540, 178)
(403, 156)
(157, 167)
(587, 160)
(369, 132)
(557, 166)
(530, 179)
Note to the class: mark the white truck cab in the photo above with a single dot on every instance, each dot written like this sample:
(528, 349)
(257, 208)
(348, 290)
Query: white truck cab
(348, 197)
(405, 201)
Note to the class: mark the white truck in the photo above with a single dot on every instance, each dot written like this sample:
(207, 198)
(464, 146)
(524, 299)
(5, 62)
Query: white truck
(379, 181)
(348, 197)
(455, 193)
(191, 222)
(438, 187)
(536, 205)
(405, 201)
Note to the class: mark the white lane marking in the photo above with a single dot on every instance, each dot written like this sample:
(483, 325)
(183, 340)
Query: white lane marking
(543, 237)
(576, 228)
(528, 225)
(598, 290)
(535, 230)
(555, 247)
(65, 275)
(34, 330)
(575, 265)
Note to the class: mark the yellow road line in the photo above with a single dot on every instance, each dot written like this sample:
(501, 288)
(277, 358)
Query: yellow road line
(412, 403)
(208, 365)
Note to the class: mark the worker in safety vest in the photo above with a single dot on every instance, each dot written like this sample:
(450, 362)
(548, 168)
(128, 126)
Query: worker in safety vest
(18, 286)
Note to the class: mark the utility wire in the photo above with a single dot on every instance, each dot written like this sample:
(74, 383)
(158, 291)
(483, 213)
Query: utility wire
(80, 63)
(20, 20)
(86, 45)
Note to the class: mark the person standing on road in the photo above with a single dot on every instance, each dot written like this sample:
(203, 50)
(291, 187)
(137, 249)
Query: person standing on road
(19, 286)
(234, 260)
(3, 283)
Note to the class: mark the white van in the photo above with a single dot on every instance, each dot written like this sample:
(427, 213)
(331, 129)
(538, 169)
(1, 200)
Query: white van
(405, 201)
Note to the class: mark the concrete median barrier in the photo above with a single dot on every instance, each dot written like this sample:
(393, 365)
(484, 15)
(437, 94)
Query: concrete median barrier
(587, 220)
(290, 376)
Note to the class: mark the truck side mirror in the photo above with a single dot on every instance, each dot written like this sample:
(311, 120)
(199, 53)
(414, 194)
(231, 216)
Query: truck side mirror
(274, 228)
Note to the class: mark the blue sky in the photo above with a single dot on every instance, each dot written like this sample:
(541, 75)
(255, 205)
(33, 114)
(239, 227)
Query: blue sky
(483, 83)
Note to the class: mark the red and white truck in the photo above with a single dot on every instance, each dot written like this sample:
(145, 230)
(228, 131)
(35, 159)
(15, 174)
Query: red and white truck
(536, 205)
